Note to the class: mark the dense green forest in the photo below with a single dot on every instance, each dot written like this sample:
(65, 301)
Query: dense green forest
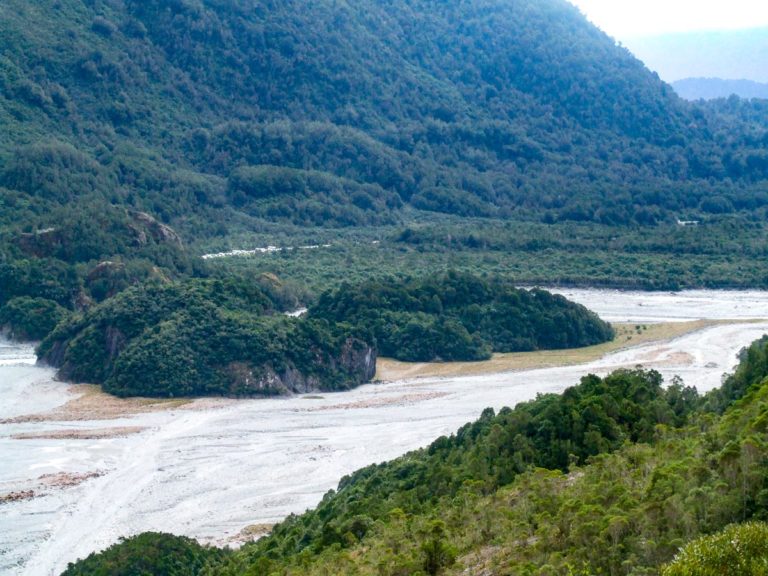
(202, 337)
(614, 476)
(138, 134)
(342, 113)
(229, 336)
(153, 554)
(76, 256)
(459, 317)
(506, 138)
(728, 253)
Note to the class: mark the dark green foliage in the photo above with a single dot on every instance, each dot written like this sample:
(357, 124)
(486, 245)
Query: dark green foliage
(731, 253)
(597, 416)
(220, 117)
(28, 318)
(460, 317)
(204, 337)
(438, 554)
(488, 108)
(308, 197)
(751, 371)
(87, 251)
(54, 170)
(47, 278)
(739, 550)
(149, 554)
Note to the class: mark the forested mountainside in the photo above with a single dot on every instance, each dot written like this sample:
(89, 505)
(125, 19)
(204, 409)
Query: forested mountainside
(615, 475)
(335, 114)
(134, 128)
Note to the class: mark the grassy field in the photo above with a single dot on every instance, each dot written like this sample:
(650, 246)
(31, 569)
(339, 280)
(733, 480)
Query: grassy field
(627, 335)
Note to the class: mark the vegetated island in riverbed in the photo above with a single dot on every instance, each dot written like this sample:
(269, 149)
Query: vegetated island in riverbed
(228, 337)
(460, 317)
(628, 334)
(204, 337)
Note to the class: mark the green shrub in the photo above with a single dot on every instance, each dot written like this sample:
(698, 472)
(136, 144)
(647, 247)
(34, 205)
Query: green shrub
(738, 550)
(28, 318)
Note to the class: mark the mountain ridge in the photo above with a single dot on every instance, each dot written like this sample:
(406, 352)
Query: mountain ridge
(472, 102)
(705, 53)
(711, 88)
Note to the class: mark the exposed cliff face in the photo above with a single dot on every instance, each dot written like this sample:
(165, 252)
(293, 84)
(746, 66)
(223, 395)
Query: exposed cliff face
(356, 365)
(203, 338)
(54, 355)
(144, 225)
(359, 358)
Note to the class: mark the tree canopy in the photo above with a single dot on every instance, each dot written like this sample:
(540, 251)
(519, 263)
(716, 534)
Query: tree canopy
(459, 316)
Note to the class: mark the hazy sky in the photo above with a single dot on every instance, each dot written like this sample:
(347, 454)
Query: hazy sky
(631, 18)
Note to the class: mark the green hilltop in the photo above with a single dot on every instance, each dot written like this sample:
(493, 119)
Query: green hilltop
(335, 113)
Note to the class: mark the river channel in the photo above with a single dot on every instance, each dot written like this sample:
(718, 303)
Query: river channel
(210, 468)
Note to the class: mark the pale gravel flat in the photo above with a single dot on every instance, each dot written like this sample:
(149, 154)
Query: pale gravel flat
(212, 471)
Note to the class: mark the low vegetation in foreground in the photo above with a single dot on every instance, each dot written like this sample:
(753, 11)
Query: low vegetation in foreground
(618, 475)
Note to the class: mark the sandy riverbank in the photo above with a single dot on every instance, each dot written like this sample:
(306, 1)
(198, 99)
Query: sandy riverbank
(627, 335)
(89, 403)
(87, 434)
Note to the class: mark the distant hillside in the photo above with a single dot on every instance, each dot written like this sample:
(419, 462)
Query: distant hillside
(705, 54)
(124, 118)
(711, 88)
(512, 109)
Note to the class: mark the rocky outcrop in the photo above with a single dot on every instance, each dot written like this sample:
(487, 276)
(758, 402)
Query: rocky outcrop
(105, 269)
(115, 341)
(54, 355)
(358, 358)
(145, 224)
(354, 366)
(40, 243)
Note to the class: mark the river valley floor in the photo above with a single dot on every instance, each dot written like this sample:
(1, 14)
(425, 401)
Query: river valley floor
(81, 469)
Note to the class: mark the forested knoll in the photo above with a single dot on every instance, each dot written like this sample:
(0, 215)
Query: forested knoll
(204, 337)
(459, 317)
(613, 476)
(229, 336)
